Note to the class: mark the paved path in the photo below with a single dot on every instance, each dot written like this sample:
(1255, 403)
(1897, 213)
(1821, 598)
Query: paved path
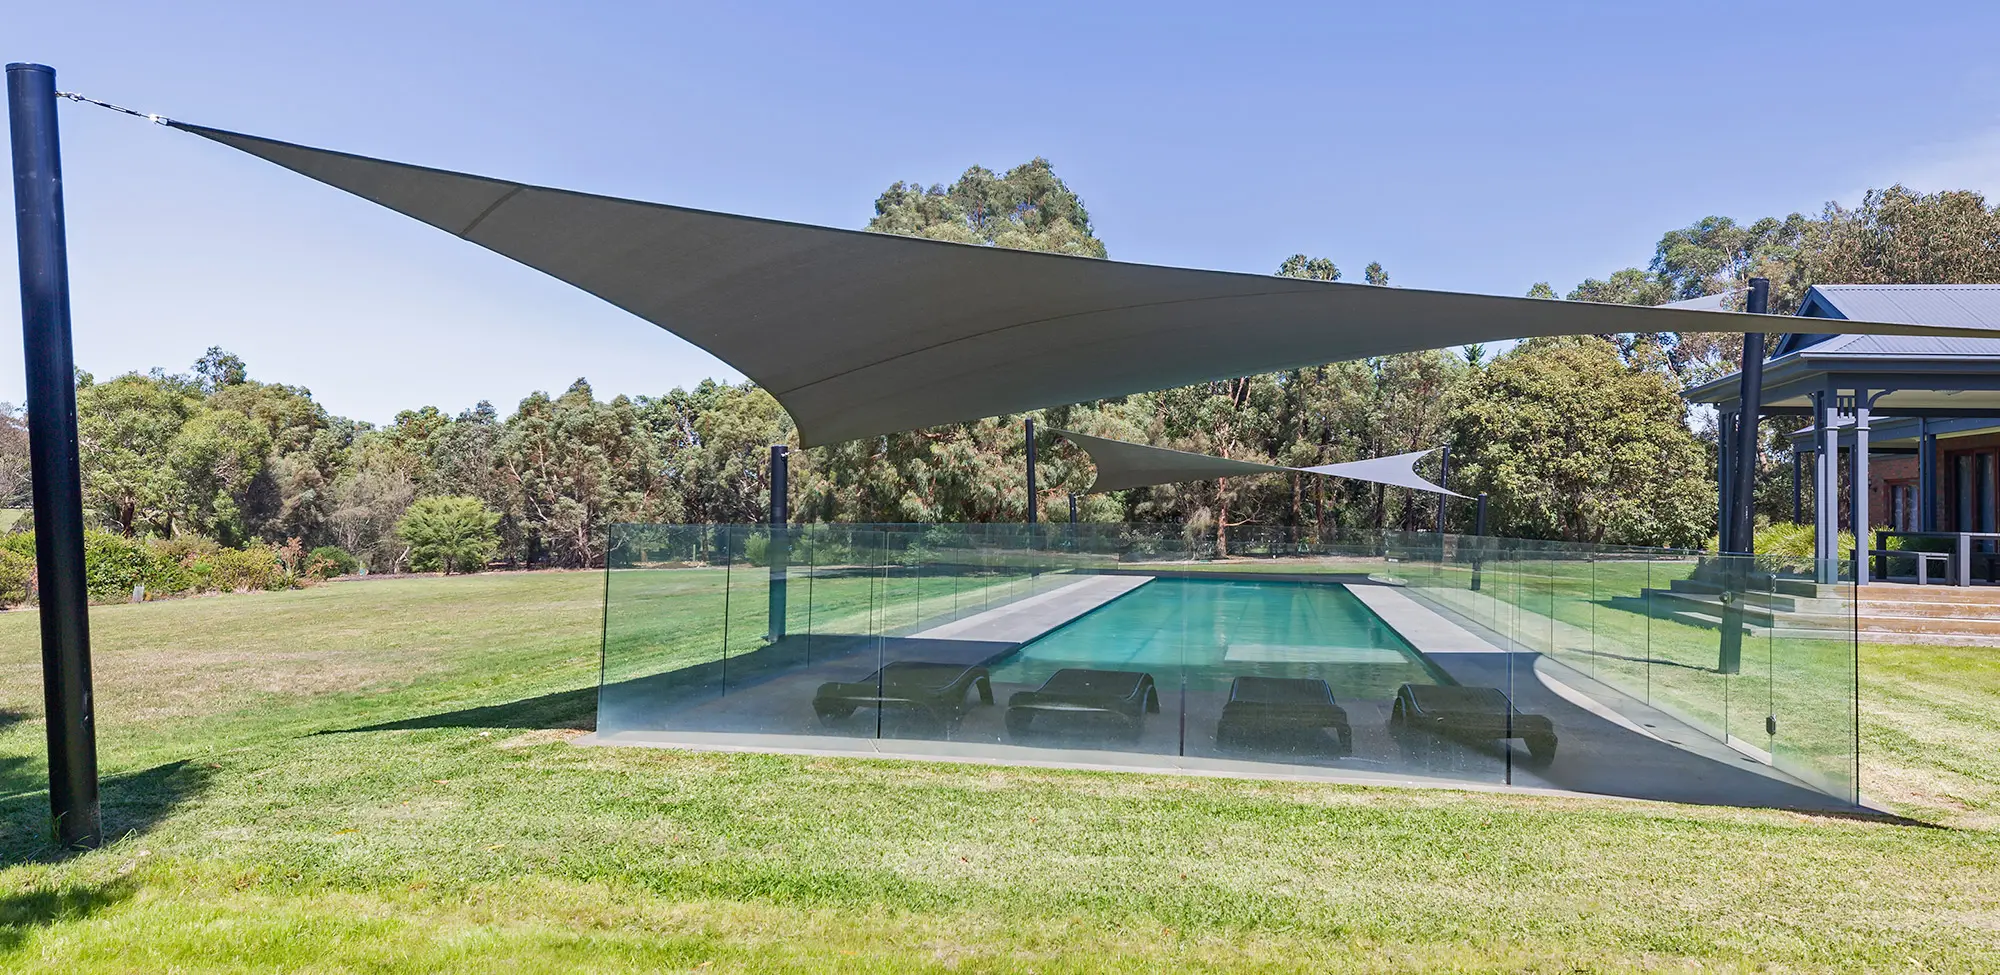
(1025, 619)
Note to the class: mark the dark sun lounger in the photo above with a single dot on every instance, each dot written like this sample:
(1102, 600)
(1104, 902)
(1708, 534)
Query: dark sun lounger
(937, 690)
(1471, 713)
(1279, 709)
(1126, 693)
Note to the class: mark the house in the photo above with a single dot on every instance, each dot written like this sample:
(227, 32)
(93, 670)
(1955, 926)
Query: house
(1918, 418)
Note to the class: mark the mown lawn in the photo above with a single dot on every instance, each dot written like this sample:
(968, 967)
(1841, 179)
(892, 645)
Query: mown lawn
(375, 777)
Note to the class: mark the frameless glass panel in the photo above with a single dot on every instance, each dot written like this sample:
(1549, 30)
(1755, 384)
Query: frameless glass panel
(665, 615)
(1689, 637)
(1621, 593)
(1811, 707)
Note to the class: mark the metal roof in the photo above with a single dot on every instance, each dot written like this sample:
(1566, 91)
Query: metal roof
(1956, 305)
(1902, 345)
(1962, 306)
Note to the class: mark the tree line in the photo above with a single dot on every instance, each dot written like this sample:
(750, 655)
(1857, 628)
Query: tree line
(1581, 438)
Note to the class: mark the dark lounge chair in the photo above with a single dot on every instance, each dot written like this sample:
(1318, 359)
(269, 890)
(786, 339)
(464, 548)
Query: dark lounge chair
(932, 689)
(1078, 691)
(1280, 711)
(1471, 714)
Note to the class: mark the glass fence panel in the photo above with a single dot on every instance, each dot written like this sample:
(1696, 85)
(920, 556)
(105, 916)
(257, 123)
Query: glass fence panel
(1621, 671)
(1813, 690)
(1573, 609)
(1692, 606)
(1749, 686)
(666, 592)
(1619, 619)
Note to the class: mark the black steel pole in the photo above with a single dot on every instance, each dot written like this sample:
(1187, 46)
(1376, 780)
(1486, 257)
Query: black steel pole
(781, 514)
(779, 549)
(1029, 426)
(1479, 529)
(1444, 475)
(1742, 517)
(58, 488)
(1741, 538)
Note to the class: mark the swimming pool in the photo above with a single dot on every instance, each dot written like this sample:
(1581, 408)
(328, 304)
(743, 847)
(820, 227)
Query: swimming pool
(1210, 631)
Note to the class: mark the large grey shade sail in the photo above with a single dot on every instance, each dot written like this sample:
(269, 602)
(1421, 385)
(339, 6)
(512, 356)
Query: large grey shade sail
(859, 334)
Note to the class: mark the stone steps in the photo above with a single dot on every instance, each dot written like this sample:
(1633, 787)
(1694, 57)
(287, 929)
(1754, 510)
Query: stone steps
(1882, 613)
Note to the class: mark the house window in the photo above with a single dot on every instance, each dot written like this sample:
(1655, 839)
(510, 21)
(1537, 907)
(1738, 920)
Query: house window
(1973, 507)
(1986, 512)
(1961, 492)
(1903, 506)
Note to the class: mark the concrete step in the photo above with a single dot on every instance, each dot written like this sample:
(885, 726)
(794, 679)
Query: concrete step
(1927, 626)
(1928, 610)
(1905, 593)
(1753, 630)
(1820, 626)
(1700, 588)
(1811, 613)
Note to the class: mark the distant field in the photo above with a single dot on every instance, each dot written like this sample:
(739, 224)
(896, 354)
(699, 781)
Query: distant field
(374, 776)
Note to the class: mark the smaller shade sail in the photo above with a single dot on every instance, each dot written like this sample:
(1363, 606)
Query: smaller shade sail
(1396, 470)
(1121, 465)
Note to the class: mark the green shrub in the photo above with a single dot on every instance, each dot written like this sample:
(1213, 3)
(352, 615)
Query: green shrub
(757, 549)
(244, 570)
(179, 565)
(826, 546)
(20, 543)
(1791, 545)
(17, 576)
(113, 565)
(449, 533)
(328, 561)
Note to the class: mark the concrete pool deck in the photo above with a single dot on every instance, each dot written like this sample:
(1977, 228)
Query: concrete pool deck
(1609, 744)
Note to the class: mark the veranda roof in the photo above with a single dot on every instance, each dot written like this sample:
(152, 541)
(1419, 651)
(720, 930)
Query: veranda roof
(859, 334)
(1121, 464)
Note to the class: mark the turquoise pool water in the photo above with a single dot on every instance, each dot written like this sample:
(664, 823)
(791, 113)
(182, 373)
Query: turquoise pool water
(1212, 631)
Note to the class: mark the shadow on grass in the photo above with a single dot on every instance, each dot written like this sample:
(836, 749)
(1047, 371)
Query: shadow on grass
(18, 773)
(24, 912)
(131, 804)
(562, 709)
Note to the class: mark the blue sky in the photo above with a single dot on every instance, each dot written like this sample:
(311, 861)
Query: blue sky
(1475, 146)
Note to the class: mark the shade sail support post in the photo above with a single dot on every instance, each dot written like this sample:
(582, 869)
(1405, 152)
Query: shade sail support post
(1444, 480)
(1743, 538)
(779, 548)
(52, 449)
(1478, 529)
(1028, 429)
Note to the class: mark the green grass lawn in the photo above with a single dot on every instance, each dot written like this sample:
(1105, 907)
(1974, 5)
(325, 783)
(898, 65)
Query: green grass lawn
(375, 776)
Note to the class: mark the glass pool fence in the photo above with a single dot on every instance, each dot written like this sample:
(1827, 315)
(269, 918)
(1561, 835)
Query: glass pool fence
(1406, 657)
